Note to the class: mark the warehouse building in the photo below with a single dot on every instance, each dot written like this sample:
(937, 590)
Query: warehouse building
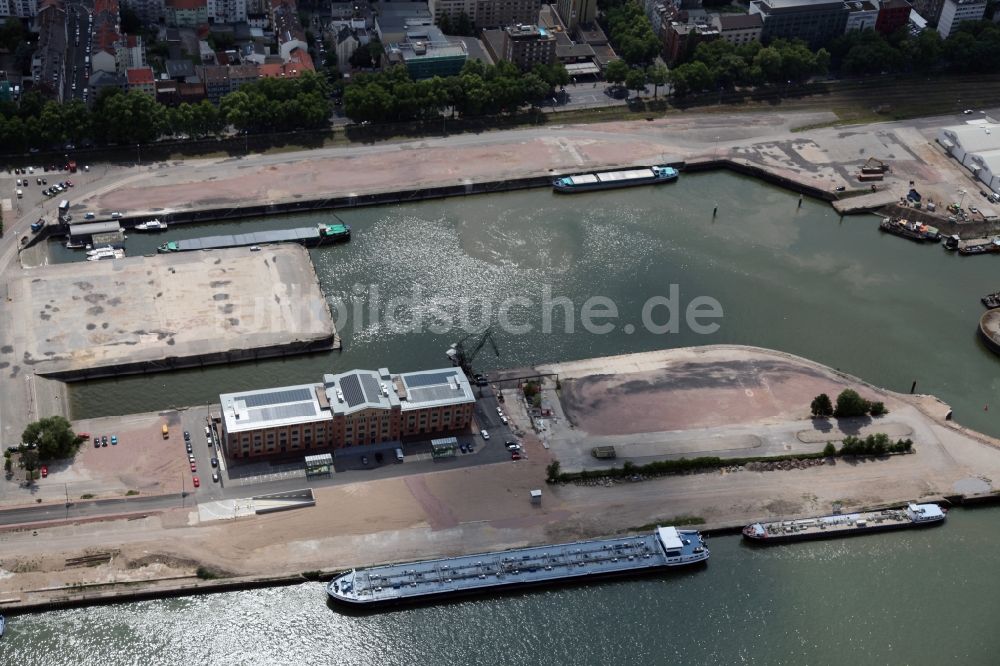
(976, 146)
(355, 408)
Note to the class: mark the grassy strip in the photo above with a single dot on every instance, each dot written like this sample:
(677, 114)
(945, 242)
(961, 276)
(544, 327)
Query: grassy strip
(684, 465)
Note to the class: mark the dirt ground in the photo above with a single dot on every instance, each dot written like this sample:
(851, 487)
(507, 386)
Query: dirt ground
(685, 395)
(488, 507)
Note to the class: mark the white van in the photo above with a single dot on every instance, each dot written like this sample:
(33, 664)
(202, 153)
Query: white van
(20, 194)
(399, 455)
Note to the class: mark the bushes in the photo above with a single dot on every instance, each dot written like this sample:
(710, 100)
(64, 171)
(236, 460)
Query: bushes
(552, 471)
(829, 450)
(849, 404)
(874, 445)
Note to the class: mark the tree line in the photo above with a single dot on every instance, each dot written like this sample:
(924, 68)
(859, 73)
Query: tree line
(479, 89)
(720, 64)
(117, 117)
(630, 33)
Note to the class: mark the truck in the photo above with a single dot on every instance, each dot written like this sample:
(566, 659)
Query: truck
(604, 452)
(37, 226)
(166, 431)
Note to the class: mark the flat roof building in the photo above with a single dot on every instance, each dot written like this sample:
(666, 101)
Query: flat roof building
(815, 21)
(426, 59)
(354, 408)
(976, 146)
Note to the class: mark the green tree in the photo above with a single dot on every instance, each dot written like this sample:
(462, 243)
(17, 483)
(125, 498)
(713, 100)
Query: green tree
(463, 25)
(829, 450)
(821, 406)
(131, 24)
(877, 409)
(52, 437)
(12, 34)
(636, 80)
(552, 471)
(658, 75)
(616, 72)
(849, 404)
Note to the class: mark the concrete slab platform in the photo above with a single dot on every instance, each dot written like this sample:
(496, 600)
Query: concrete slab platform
(140, 314)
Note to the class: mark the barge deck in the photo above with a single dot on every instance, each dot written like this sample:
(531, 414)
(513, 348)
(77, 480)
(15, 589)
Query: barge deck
(542, 565)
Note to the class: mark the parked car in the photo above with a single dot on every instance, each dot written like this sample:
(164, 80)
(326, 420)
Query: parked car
(364, 460)
(462, 448)
(485, 434)
(187, 436)
(104, 440)
(114, 440)
(215, 478)
(194, 468)
(97, 442)
(197, 481)
(215, 462)
(513, 446)
(515, 456)
(45, 471)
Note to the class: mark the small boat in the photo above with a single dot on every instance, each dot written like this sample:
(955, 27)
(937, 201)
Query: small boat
(991, 301)
(104, 249)
(168, 247)
(114, 254)
(151, 225)
(915, 231)
(78, 245)
(951, 242)
(335, 232)
(980, 246)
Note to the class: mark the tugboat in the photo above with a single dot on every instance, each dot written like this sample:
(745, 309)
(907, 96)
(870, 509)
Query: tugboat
(168, 247)
(991, 301)
(335, 232)
(915, 231)
(951, 242)
(151, 225)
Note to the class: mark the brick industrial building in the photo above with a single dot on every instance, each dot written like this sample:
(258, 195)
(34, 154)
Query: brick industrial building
(348, 409)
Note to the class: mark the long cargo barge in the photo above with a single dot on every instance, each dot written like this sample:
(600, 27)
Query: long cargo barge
(585, 182)
(309, 236)
(430, 580)
(844, 525)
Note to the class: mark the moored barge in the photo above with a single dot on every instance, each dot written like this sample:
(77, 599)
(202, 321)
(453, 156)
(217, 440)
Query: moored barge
(843, 525)
(608, 180)
(915, 231)
(308, 236)
(430, 580)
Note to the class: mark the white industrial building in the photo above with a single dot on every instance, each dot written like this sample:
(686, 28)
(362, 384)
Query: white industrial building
(976, 145)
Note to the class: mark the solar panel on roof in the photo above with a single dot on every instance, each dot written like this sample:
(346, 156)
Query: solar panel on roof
(372, 391)
(429, 379)
(280, 412)
(275, 397)
(351, 389)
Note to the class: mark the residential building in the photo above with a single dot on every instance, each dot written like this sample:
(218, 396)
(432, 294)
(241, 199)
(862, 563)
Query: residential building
(930, 10)
(681, 39)
(453, 9)
(19, 8)
(527, 46)
(148, 11)
(141, 79)
(861, 15)
(186, 13)
(345, 43)
(575, 12)
(355, 15)
(502, 13)
(130, 53)
(892, 15)
(216, 81)
(173, 93)
(180, 69)
(954, 12)
(106, 37)
(738, 29)
(815, 21)
(424, 60)
(287, 28)
(48, 65)
(227, 11)
(353, 408)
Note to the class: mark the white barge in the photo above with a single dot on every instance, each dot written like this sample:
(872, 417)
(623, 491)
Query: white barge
(847, 524)
(428, 580)
(585, 182)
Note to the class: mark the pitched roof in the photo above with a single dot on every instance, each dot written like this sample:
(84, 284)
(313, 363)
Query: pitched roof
(139, 75)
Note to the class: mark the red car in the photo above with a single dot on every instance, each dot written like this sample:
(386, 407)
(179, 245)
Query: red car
(515, 456)
(83, 435)
(193, 468)
(197, 482)
(45, 471)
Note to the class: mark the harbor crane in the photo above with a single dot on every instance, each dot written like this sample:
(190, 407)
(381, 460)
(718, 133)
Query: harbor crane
(462, 356)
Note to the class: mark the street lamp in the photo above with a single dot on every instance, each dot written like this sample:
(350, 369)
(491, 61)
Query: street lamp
(961, 204)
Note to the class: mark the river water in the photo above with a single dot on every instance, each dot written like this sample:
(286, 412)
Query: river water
(918, 597)
(798, 279)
